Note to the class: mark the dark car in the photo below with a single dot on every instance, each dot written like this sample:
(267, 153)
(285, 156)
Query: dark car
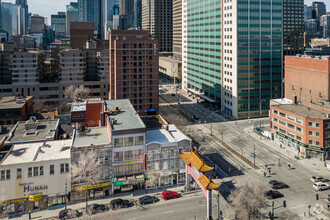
(316, 179)
(169, 195)
(68, 213)
(277, 184)
(119, 203)
(147, 199)
(271, 194)
(96, 208)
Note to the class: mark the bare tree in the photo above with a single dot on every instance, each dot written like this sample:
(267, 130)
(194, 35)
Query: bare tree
(180, 121)
(38, 106)
(222, 130)
(87, 170)
(154, 178)
(239, 141)
(74, 92)
(246, 200)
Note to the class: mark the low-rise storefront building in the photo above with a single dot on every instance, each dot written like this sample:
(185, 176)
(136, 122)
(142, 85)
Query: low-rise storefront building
(35, 176)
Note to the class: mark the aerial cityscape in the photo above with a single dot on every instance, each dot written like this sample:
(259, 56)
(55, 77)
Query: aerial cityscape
(165, 109)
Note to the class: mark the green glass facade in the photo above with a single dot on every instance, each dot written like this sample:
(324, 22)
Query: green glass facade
(259, 54)
(204, 47)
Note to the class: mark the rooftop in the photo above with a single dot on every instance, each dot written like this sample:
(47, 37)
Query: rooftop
(122, 115)
(39, 151)
(11, 102)
(32, 131)
(91, 136)
(170, 59)
(163, 136)
(324, 57)
(303, 111)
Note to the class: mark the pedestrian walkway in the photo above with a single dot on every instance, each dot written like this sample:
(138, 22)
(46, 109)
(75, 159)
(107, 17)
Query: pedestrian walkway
(290, 153)
(53, 212)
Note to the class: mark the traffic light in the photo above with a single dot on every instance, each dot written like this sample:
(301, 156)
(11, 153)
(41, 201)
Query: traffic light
(317, 196)
(284, 203)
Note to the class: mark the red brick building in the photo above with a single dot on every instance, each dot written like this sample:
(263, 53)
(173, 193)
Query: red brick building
(13, 109)
(307, 78)
(134, 69)
(87, 112)
(305, 129)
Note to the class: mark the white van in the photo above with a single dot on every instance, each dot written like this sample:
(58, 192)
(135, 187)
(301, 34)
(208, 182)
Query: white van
(320, 186)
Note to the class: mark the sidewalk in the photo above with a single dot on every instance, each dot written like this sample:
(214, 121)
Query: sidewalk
(289, 152)
(53, 212)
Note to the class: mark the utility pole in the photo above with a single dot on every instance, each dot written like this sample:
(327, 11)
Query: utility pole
(254, 152)
(66, 189)
(273, 209)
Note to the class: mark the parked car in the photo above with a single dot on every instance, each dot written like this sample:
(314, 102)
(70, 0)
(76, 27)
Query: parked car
(327, 200)
(320, 186)
(147, 199)
(277, 184)
(169, 195)
(316, 179)
(119, 203)
(272, 194)
(96, 208)
(68, 213)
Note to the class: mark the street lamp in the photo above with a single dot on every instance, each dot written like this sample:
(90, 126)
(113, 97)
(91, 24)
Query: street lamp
(211, 121)
(260, 113)
(254, 150)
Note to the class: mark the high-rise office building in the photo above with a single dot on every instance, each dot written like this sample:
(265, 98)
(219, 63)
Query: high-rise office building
(23, 4)
(126, 8)
(58, 23)
(37, 24)
(325, 24)
(138, 14)
(177, 28)
(91, 11)
(318, 9)
(235, 61)
(293, 27)
(13, 19)
(80, 33)
(1, 19)
(134, 69)
(308, 12)
(157, 18)
(107, 15)
(71, 15)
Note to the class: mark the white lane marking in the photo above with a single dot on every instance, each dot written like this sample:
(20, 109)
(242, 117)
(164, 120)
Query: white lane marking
(299, 206)
(168, 212)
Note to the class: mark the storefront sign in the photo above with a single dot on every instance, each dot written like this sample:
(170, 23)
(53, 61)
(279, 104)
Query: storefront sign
(297, 142)
(127, 163)
(128, 182)
(35, 197)
(28, 188)
(13, 201)
(92, 186)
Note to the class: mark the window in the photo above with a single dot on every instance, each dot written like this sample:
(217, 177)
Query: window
(139, 168)
(106, 159)
(62, 168)
(291, 118)
(19, 173)
(128, 141)
(275, 119)
(310, 124)
(66, 167)
(298, 120)
(118, 142)
(164, 152)
(41, 171)
(139, 140)
(35, 171)
(3, 175)
(51, 170)
(172, 153)
(298, 138)
(327, 125)
(317, 134)
(165, 165)
(282, 123)
(282, 114)
(7, 174)
(310, 133)
(118, 156)
(275, 112)
(291, 126)
(310, 142)
(283, 131)
(327, 134)
(291, 134)
(138, 154)
(317, 143)
(299, 129)
(317, 125)
(128, 155)
(30, 172)
(118, 170)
